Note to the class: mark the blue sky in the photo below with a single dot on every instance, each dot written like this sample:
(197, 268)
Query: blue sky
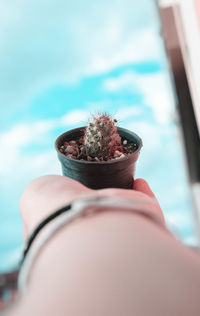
(61, 61)
(49, 43)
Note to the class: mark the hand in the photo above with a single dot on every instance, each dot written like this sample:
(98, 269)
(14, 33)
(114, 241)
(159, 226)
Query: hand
(46, 194)
(121, 259)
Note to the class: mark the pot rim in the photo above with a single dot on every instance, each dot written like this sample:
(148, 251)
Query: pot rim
(99, 162)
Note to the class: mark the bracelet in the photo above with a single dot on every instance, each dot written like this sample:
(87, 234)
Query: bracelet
(39, 227)
(66, 215)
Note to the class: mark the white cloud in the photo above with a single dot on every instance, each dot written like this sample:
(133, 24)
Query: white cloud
(191, 240)
(155, 89)
(126, 81)
(180, 220)
(139, 46)
(13, 140)
(127, 112)
(22, 134)
(151, 135)
(42, 163)
(158, 95)
(74, 117)
(14, 163)
(57, 42)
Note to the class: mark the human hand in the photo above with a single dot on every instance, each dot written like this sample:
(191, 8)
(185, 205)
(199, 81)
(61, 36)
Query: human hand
(46, 194)
(119, 257)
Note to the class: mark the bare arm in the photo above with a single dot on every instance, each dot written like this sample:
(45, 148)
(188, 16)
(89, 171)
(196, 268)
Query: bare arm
(111, 263)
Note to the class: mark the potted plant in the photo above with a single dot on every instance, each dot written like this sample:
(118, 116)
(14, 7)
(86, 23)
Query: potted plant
(100, 155)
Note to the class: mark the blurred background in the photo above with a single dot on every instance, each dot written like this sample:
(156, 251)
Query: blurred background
(61, 61)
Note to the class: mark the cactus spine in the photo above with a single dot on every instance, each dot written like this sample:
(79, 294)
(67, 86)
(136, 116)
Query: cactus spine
(101, 138)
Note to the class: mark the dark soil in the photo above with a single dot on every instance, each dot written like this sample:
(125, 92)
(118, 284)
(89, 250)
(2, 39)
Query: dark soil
(75, 149)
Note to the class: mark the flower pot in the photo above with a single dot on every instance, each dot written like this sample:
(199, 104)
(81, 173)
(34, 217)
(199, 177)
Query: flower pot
(118, 173)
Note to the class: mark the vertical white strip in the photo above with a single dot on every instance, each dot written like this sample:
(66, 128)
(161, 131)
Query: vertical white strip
(189, 32)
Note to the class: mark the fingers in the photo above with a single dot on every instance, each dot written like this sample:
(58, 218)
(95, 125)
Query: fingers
(142, 186)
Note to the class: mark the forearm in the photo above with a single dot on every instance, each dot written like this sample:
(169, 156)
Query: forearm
(109, 264)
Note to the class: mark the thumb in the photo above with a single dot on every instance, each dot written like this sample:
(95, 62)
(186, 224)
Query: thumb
(142, 186)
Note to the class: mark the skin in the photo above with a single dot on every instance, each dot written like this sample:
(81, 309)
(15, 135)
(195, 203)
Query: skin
(109, 263)
(49, 193)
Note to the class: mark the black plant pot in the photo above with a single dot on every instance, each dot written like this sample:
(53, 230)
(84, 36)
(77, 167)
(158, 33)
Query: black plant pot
(117, 173)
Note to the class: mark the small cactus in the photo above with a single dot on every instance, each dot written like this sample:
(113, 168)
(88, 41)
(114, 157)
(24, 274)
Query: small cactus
(101, 138)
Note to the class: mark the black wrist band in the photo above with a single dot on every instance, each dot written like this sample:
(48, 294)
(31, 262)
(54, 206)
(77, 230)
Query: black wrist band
(39, 227)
